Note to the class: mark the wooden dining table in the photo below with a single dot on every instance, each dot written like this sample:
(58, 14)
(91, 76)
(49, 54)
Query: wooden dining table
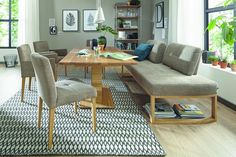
(104, 97)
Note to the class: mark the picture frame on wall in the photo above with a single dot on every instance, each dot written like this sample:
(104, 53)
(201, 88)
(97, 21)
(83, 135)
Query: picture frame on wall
(70, 20)
(53, 30)
(159, 10)
(88, 20)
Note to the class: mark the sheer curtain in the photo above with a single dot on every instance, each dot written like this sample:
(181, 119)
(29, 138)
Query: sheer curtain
(28, 25)
(186, 23)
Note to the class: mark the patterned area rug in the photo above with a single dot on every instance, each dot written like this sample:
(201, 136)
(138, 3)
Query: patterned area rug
(120, 131)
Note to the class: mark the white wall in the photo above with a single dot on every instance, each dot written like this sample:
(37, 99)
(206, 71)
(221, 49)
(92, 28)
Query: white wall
(225, 78)
(4, 52)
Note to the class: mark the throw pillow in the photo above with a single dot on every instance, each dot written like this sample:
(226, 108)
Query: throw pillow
(143, 51)
(157, 52)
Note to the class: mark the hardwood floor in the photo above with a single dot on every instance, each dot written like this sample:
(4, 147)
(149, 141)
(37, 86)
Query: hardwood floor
(208, 140)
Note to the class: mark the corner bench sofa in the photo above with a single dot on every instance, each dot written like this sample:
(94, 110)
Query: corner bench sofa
(171, 72)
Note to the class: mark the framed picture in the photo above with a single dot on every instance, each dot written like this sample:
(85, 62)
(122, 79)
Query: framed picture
(53, 30)
(88, 20)
(70, 20)
(159, 9)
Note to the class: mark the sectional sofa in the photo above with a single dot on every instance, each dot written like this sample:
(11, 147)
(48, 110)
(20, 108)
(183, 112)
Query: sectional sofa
(171, 72)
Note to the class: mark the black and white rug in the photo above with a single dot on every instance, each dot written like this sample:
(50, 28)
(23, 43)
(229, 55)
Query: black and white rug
(120, 131)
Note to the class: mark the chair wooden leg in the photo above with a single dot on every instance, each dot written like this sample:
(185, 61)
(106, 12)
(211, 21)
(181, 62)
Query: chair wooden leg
(94, 113)
(76, 107)
(30, 79)
(152, 109)
(85, 72)
(214, 107)
(40, 108)
(122, 70)
(65, 70)
(22, 89)
(50, 127)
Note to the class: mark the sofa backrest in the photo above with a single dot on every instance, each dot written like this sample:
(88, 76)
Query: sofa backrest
(182, 58)
(158, 49)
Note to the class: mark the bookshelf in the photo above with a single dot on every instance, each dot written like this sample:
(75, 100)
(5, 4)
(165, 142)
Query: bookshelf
(127, 24)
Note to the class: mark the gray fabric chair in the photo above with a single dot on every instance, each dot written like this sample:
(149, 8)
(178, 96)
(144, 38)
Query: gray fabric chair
(59, 93)
(27, 70)
(26, 67)
(43, 47)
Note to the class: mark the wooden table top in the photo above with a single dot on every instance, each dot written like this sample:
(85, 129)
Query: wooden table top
(72, 58)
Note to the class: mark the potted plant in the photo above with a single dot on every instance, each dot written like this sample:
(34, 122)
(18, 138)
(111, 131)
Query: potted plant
(101, 42)
(106, 29)
(214, 60)
(233, 65)
(227, 26)
(121, 23)
(134, 2)
(224, 63)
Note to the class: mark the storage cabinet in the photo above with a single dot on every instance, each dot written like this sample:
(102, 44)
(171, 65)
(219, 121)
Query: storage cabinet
(127, 24)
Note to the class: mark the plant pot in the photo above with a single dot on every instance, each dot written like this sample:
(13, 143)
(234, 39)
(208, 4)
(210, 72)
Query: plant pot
(223, 65)
(105, 40)
(214, 63)
(233, 67)
(101, 47)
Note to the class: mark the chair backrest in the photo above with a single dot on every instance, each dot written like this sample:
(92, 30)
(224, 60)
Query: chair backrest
(24, 52)
(41, 46)
(45, 80)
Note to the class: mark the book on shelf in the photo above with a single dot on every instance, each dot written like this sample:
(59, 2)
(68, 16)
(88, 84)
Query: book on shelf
(117, 55)
(162, 110)
(188, 111)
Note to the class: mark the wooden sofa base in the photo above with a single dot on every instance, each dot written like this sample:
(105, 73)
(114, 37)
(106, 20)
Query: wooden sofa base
(212, 118)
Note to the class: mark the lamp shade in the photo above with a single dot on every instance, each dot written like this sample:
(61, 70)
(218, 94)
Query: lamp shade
(99, 16)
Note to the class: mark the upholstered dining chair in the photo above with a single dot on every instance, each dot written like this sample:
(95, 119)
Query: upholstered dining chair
(59, 93)
(26, 67)
(42, 47)
(27, 70)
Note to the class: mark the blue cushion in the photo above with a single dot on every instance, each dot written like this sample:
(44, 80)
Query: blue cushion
(143, 51)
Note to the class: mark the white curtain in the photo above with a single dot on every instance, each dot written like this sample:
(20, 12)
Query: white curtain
(186, 24)
(28, 27)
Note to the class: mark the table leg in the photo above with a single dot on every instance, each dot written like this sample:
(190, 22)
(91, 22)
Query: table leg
(104, 97)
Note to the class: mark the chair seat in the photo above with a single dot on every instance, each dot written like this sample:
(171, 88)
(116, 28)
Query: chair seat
(73, 90)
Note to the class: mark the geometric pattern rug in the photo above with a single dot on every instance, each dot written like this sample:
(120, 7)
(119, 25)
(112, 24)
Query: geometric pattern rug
(120, 131)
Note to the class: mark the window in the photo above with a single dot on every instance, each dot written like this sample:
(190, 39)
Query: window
(8, 23)
(213, 39)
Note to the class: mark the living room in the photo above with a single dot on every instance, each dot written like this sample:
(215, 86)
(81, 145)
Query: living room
(63, 94)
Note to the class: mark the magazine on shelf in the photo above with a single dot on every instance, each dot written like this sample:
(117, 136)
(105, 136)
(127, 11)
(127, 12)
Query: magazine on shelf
(188, 111)
(117, 55)
(162, 110)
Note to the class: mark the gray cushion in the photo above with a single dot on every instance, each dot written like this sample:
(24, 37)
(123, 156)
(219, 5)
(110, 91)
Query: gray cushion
(73, 90)
(182, 58)
(161, 80)
(62, 92)
(157, 52)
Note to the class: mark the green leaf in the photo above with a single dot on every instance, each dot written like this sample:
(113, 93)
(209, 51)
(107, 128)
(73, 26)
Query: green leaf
(212, 24)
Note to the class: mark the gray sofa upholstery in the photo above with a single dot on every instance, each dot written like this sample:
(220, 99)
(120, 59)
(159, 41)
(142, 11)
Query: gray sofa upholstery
(171, 72)
(175, 75)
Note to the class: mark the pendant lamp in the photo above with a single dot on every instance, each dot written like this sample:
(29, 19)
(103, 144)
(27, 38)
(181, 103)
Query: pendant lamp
(99, 16)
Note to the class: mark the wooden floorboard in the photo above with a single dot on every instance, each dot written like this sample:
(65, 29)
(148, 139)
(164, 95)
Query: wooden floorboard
(206, 140)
